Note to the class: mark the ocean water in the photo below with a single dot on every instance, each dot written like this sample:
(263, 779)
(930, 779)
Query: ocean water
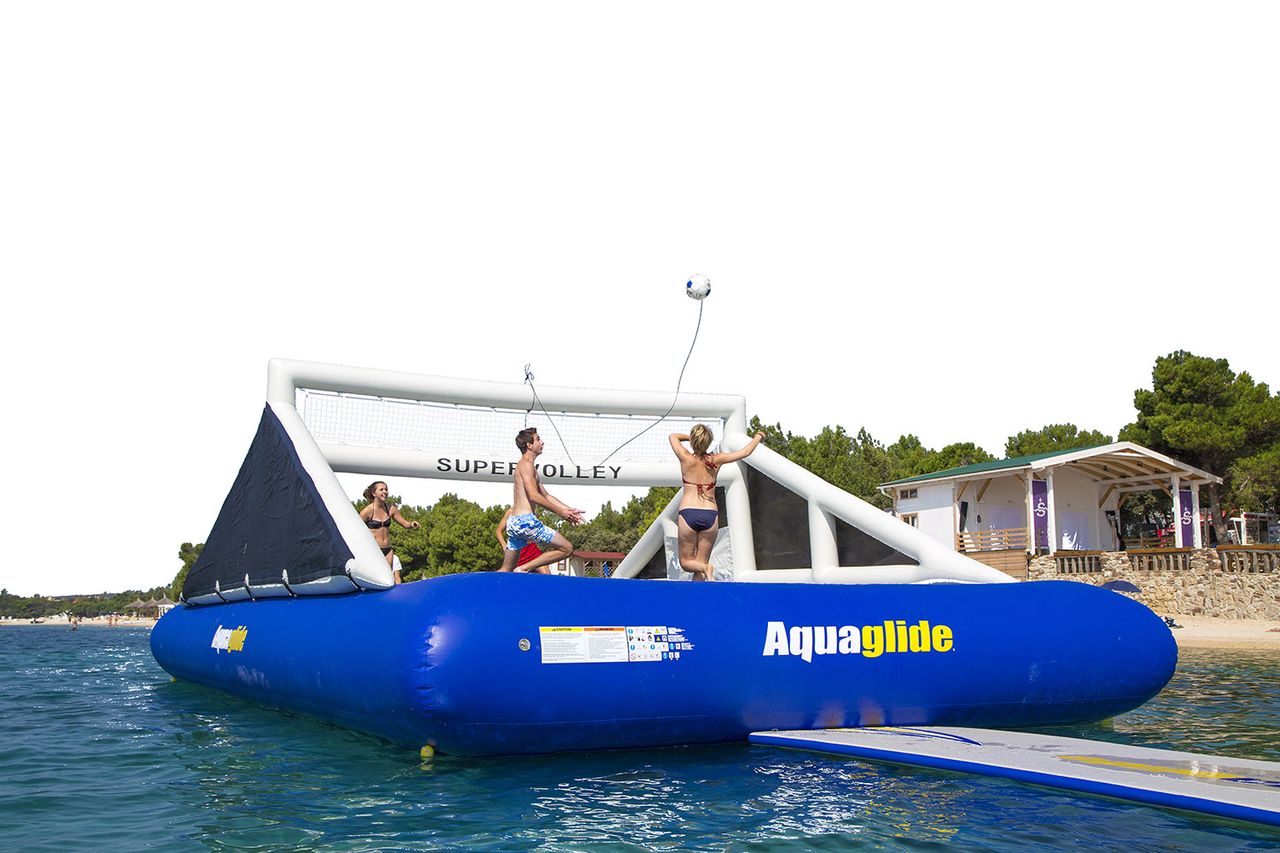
(100, 750)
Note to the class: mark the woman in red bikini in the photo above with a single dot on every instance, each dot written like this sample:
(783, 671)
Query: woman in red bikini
(376, 495)
(699, 516)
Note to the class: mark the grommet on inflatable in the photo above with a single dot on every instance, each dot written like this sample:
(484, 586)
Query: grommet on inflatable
(834, 613)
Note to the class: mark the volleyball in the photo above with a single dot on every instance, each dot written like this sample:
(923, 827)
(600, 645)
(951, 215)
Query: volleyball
(698, 287)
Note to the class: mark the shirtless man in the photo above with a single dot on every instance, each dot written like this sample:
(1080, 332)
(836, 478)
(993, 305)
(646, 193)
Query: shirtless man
(523, 526)
(531, 551)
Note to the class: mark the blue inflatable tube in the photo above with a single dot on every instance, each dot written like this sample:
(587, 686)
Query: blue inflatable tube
(493, 664)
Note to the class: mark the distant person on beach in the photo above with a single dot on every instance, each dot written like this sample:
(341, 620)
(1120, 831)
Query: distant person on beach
(523, 527)
(377, 516)
(699, 516)
(528, 554)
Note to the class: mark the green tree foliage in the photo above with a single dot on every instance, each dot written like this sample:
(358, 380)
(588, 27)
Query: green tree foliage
(1142, 513)
(617, 530)
(1255, 481)
(188, 554)
(85, 606)
(1053, 438)
(413, 547)
(908, 457)
(957, 456)
(459, 539)
(859, 464)
(1198, 410)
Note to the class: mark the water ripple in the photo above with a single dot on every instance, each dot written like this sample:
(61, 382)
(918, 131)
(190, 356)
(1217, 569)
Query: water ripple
(103, 751)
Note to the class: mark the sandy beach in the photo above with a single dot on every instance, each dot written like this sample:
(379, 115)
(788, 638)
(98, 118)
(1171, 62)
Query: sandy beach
(100, 622)
(1206, 632)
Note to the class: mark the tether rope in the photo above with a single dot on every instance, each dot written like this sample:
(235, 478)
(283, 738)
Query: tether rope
(679, 380)
(537, 401)
(528, 378)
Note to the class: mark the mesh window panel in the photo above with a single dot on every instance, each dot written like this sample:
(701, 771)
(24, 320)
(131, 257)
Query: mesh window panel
(656, 568)
(855, 547)
(582, 437)
(779, 523)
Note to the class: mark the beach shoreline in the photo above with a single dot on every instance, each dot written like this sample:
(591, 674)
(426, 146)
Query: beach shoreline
(1196, 632)
(1212, 632)
(100, 622)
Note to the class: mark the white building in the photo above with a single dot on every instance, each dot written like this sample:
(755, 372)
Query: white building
(999, 512)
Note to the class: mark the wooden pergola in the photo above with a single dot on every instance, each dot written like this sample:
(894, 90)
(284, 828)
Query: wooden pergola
(1125, 467)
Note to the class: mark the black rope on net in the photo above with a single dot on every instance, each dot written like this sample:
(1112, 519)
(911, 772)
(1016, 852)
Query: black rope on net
(247, 588)
(528, 378)
(347, 572)
(679, 380)
(284, 577)
(217, 590)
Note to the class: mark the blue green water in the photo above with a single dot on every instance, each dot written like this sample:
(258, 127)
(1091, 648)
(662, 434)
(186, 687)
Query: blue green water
(100, 750)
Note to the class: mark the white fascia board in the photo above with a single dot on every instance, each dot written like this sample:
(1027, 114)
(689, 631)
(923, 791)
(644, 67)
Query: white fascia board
(1184, 470)
(1064, 458)
(993, 474)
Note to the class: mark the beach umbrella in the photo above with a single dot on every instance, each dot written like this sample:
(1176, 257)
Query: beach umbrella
(1121, 586)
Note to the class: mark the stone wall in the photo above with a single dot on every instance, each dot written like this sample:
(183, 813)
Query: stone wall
(1200, 589)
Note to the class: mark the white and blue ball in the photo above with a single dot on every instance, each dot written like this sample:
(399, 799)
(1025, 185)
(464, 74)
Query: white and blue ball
(698, 287)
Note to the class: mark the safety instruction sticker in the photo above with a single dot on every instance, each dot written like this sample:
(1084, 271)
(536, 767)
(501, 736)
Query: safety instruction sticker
(611, 644)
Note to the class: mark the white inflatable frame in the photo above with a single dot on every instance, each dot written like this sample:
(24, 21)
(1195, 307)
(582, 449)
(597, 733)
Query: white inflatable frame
(368, 568)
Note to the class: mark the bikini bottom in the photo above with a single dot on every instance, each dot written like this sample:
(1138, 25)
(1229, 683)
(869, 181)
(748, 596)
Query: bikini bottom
(699, 519)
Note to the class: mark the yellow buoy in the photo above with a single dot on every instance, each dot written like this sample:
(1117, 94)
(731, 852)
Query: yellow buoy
(427, 752)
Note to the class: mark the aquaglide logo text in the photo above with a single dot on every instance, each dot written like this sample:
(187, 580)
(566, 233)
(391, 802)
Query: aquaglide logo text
(894, 636)
(228, 640)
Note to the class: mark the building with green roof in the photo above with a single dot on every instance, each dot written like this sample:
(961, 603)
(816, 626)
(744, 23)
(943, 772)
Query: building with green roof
(1001, 512)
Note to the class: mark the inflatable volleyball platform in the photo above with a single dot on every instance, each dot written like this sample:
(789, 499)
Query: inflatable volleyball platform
(827, 612)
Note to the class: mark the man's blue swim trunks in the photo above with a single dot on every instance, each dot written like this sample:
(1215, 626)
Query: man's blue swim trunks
(523, 529)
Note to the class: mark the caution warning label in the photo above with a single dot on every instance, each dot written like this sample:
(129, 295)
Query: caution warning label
(611, 643)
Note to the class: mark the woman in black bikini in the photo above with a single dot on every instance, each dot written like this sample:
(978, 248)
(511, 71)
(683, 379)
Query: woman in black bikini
(699, 516)
(376, 495)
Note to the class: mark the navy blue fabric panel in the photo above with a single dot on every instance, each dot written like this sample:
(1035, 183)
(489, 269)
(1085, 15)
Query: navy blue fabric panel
(466, 663)
(273, 519)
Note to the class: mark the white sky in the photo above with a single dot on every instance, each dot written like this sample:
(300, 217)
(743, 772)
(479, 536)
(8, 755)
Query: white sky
(955, 219)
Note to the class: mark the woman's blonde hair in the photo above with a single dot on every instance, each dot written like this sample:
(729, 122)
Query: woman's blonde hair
(700, 438)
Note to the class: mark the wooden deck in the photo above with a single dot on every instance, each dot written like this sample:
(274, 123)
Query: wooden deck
(1004, 549)
(1010, 561)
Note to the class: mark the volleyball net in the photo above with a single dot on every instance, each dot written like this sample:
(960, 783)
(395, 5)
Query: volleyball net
(581, 438)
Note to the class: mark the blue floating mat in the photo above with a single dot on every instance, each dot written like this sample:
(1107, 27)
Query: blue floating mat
(1239, 788)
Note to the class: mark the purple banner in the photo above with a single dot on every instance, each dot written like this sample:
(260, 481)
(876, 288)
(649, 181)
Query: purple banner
(1040, 512)
(1186, 518)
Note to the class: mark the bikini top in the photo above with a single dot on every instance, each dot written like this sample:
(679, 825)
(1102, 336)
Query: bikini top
(375, 525)
(706, 491)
